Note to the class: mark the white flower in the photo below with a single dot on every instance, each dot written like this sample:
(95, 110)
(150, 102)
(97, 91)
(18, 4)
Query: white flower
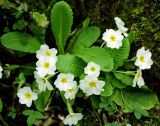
(72, 119)
(45, 52)
(26, 96)
(92, 69)
(43, 83)
(45, 67)
(120, 25)
(129, 125)
(138, 79)
(91, 85)
(71, 93)
(113, 38)
(65, 81)
(144, 60)
(1, 69)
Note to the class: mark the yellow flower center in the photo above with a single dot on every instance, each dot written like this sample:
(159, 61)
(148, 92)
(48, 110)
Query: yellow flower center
(46, 65)
(112, 38)
(92, 84)
(27, 95)
(47, 53)
(64, 80)
(142, 58)
(92, 69)
(70, 90)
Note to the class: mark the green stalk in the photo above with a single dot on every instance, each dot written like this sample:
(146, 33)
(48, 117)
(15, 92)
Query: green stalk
(69, 107)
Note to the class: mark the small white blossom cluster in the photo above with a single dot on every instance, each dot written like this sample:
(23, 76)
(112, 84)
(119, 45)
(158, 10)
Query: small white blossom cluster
(46, 65)
(143, 61)
(90, 84)
(113, 38)
(1, 69)
(66, 83)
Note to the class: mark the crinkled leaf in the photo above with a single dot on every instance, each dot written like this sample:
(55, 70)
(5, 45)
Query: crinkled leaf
(33, 113)
(108, 104)
(128, 99)
(32, 116)
(70, 64)
(41, 19)
(124, 78)
(20, 42)
(98, 55)
(86, 37)
(108, 89)
(30, 120)
(114, 81)
(121, 54)
(131, 36)
(61, 22)
(138, 111)
(41, 102)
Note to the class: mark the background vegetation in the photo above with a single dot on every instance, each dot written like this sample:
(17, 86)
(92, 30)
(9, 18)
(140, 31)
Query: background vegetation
(142, 16)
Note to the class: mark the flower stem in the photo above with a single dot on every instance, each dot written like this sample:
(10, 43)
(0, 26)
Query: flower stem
(133, 59)
(132, 73)
(69, 107)
(102, 44)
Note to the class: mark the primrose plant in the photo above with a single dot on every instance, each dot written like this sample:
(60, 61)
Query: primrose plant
(78, 68)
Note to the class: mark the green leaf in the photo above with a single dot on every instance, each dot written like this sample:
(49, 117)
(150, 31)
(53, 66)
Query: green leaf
(41, 102)
(28, 112)
(11, 67)
(32, 116)
(137, 115)
(33, 113)
(124, 78)
(121, 54)
(20, 42)
(114, 81)
(30, 120)
(86, 23)
(19, 25)
(108, 105)
(41, 19)
(38, 31)
(98, 55)
(131, 36)
(12, 113)
(113, 124)
(1, 105)
(86, 37)
(61, 22)
(95, 100)
(130, 98)
(138, 109)
(20, 80)
(70, 64)
(108, 89)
